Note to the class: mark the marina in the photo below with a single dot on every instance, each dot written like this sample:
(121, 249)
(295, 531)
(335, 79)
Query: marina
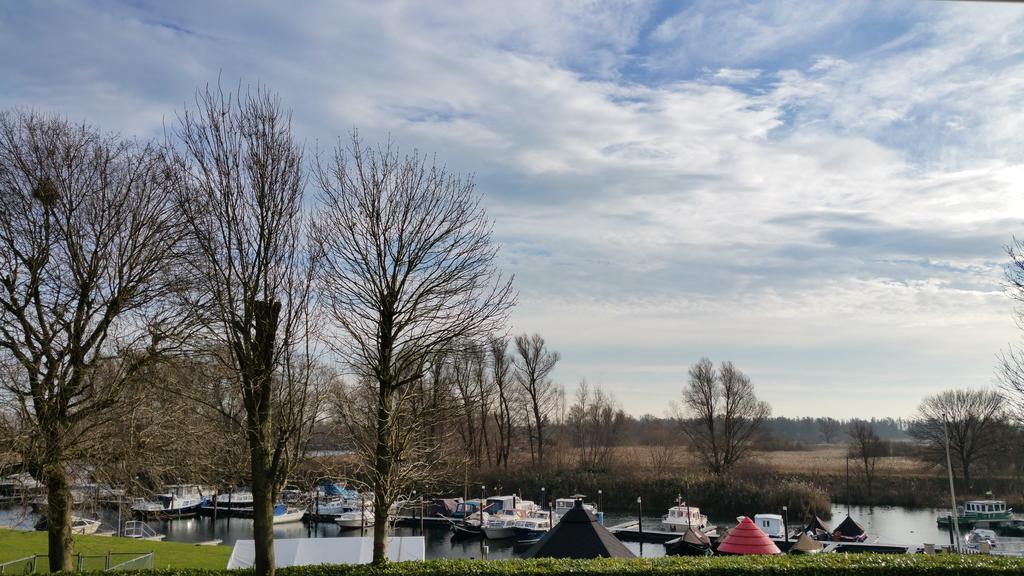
(890, 529)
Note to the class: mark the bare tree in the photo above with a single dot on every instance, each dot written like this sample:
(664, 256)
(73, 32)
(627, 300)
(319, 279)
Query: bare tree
(721, 414)
(239, 178)
(409, 273)
(830, 428)
(501, 377)
(866, 446)
(596, 423)
(533, 364)
(973, 418)
(89, 237)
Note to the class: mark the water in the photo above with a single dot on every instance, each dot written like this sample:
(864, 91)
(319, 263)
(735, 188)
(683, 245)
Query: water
(885, 524)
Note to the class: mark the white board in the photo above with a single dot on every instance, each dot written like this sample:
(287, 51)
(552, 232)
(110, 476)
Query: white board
(344, 550)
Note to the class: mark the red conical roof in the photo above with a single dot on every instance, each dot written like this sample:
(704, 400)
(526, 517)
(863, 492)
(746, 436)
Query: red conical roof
(747, 538)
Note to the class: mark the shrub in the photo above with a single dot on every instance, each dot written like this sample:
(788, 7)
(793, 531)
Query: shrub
(832, 564)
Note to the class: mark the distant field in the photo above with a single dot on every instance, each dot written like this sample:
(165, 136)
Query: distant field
(16, 544)
(832, 459)
(820, 459)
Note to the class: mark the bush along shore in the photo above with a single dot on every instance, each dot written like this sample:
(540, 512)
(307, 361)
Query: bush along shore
(837, 564)
(720, 496)
(749, 492)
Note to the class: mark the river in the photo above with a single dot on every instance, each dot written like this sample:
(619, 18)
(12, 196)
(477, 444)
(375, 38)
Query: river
(886, 524)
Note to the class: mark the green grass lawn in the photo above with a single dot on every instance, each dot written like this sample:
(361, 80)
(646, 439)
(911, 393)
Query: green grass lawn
(18, 544)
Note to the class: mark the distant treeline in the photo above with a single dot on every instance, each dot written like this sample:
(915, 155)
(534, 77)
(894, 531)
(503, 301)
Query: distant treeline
(778, 432)
(829, 430)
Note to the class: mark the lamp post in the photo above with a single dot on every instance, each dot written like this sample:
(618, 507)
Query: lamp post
(640, 521)
(599, 507)
(785, 523)
(543, 501)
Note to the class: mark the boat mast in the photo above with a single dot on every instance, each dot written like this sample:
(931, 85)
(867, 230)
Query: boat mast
(952, 494)
(847, 485)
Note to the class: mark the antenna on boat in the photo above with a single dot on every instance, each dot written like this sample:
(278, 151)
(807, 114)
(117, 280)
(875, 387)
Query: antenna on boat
(952, 494)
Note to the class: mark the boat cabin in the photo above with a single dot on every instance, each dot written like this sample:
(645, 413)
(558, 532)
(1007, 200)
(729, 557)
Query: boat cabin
(466, 509)
(563, 505)
(496, 504)
(771, 524)
(689, 515)
(985, 507)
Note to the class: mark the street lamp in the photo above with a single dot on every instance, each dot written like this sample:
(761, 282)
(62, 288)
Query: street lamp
(543, 502)
(640, 521)
(785, 522)
(599, 507)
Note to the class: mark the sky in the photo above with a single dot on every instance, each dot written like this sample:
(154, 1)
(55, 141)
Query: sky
(820, 192)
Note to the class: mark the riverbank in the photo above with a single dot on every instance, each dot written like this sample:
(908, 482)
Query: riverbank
(15, 544)
(806, 481)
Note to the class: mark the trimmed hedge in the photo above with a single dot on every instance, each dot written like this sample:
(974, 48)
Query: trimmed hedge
(842, 564)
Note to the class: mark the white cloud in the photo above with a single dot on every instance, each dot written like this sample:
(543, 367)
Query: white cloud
(842, 208)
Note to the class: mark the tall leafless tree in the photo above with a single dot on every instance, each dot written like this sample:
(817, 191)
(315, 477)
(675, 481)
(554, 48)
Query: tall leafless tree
(868, 448)
(596, 423)
(973, 418)
(410, 272)
(721, 414)
(501, 377)
(89, 238)
(239, 179)
(533, 363)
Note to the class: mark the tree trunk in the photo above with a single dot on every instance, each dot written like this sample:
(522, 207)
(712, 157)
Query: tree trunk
(540, 432)
(382, 471)
(262, 516)
(58, 517)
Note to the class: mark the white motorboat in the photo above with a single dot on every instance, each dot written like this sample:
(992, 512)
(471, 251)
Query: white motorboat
(355, 518)
(79, 525)
(178, 500)
(534, 526)
(84, 526)
(505, 511)
(684, 516)
(975, 538)
(284, 514)
(502, 525)
(235, 498)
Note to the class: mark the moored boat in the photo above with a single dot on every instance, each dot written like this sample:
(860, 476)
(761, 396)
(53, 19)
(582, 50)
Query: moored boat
(771, 524)
(693, 542)
(849, 531)
(975, 538)
(235, 498)
(682, 517)
(178, 500)
(355, 518)
(975, 511)
(534, 526)
(284, 514)
(79, 525)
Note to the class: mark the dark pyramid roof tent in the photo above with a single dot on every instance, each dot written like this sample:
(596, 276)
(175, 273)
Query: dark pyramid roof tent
(849, 530)
(747, 538)
(696, 537)
(578, 535)
(806, 545)
(815, 525)
(691, 543)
